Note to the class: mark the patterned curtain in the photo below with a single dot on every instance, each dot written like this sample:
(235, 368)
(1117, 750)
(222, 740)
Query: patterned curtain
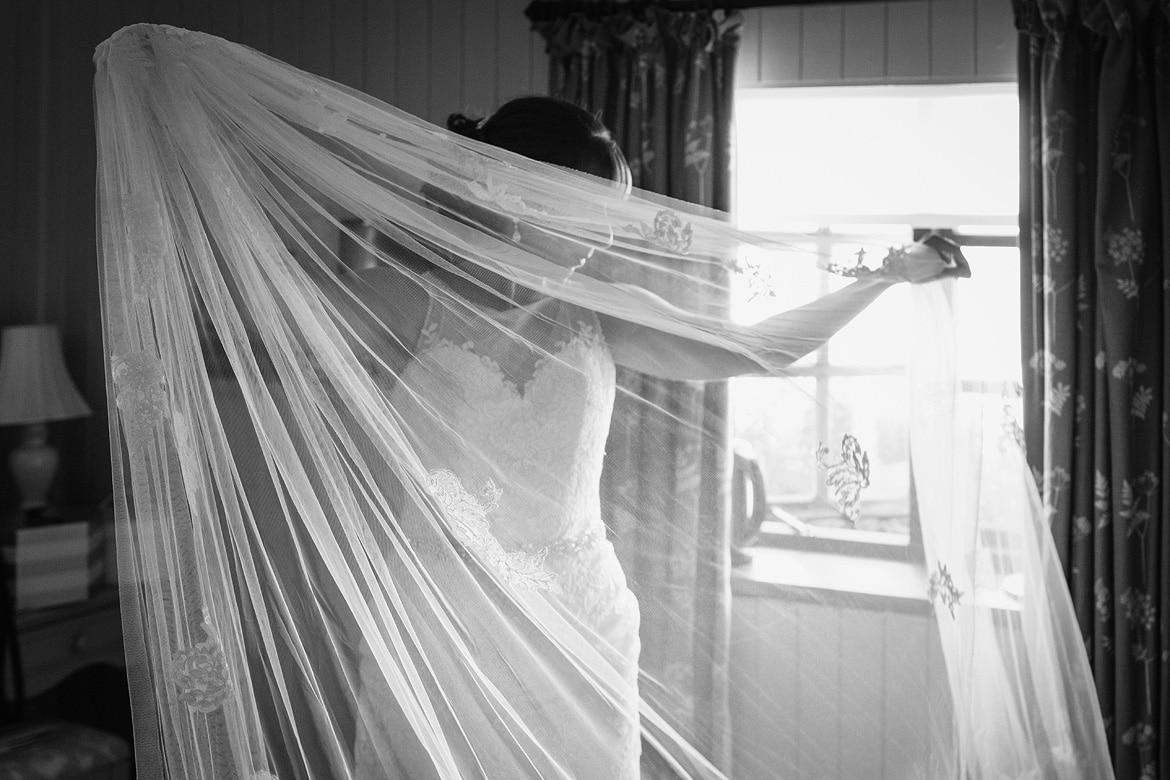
(663, 83)
(1095, 213)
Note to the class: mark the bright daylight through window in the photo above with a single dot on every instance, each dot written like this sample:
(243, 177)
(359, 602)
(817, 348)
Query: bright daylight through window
(882, 164)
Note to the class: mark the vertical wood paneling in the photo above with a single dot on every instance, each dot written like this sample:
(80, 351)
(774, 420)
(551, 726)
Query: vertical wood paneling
(445, 40)
(864, 55)
(862, 663)
(995, 40)
(905, 681)
(381, 40)
(779, 679)
(224, 19)
(747, 65)
(15, 261)
(952, 39)
(14, 71)
(161, 12)
(317, 37)
(34, 79)
(69, 197)
(413, 58)
(537, 65)
(514, 55)
(907, 38)
(749, 709)
(902, 41)
(193, 14)
(939, 704)
(93, 473)
(65, 209)
(479, 58)
(780, 46)
(255, 21)
(286, 31)
(819, 683)
(820, 42)
(821, 691)
(349, 42)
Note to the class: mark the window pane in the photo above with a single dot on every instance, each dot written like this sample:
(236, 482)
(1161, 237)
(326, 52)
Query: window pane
(771, 285)
(873, 410)
(878, 336)
(777, 419)
(805, 153)
(863, 164)
(987, 315)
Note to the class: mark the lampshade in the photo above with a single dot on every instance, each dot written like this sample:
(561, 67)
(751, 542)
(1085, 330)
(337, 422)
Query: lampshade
(35, 386)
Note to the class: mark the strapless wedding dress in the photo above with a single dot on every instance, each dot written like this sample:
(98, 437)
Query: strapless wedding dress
(513, 451)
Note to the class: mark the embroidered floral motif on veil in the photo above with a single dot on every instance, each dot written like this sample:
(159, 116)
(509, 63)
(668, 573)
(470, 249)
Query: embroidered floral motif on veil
(847, 475)
(489, 190)
(147, 239)
(140, 389)
(486, 188)
(201, 675)
(468, 513)
(942, 586)
(667, 231)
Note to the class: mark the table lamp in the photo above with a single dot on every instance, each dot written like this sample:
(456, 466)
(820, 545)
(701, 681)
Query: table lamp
(35, 388)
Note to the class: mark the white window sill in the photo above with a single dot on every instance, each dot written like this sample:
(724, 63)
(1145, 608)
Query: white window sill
(844, 580)
(848, 580)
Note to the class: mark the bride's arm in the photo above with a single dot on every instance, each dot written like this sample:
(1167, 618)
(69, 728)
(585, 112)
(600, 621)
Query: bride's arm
(786, 337)
(790, 336)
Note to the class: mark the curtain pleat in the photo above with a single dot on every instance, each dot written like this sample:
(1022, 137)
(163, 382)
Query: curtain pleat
(1094, 220)
(663, 83)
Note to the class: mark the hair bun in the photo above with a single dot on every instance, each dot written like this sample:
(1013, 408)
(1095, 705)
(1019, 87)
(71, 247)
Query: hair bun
(464, 125)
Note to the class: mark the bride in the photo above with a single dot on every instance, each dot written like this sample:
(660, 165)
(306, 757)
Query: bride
(533, 412)
(358, 513)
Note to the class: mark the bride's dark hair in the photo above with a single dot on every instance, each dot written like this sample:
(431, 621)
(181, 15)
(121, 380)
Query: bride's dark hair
(552, 131)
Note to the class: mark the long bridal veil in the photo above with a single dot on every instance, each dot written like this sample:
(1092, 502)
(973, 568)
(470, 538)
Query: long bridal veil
(350, 548)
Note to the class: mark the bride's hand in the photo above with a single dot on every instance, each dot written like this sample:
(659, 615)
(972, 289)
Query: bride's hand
(932, 258)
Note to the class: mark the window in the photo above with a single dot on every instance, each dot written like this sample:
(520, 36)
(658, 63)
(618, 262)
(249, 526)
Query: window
(874, 164)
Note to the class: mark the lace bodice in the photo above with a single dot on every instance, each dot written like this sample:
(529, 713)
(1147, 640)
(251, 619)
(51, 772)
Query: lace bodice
(533, 421)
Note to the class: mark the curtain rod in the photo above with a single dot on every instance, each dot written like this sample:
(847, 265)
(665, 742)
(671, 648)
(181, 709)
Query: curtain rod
(547, 10)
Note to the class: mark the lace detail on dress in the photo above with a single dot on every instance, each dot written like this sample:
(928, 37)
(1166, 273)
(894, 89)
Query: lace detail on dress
(594, 585)
(570, 547)
(539, 419)
(468, 514)
(584, 337)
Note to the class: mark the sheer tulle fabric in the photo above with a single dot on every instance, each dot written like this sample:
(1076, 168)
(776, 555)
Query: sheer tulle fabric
(346, 553)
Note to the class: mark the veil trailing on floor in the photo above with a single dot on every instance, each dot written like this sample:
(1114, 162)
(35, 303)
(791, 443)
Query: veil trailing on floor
(359, 526)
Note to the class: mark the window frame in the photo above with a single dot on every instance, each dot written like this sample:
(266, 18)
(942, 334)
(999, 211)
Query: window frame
(783, 526)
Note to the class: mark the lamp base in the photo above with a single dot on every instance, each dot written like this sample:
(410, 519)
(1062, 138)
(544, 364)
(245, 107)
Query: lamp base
(33, 465)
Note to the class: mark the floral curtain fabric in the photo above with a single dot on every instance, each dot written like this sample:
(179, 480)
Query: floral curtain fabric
(663, 83)
(1095, 111)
